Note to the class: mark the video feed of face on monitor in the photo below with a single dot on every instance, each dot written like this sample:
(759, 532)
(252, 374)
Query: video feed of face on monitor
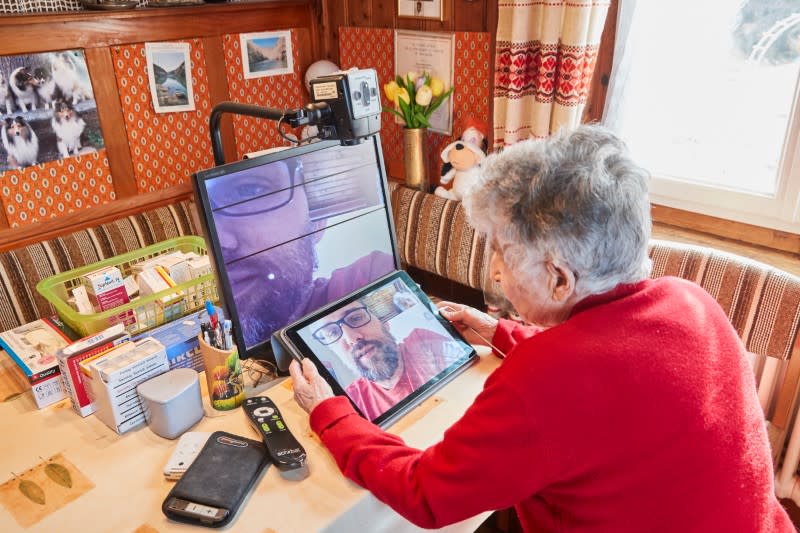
(383, 347)
(299, 233)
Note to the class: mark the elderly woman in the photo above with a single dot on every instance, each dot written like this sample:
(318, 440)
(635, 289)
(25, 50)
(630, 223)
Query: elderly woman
(629, 407)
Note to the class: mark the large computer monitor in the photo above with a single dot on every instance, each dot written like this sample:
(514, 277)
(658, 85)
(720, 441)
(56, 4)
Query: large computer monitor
(294, 230)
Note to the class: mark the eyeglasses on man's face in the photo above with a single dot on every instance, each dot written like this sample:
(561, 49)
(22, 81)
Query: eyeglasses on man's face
(332, 331)
(253, 194)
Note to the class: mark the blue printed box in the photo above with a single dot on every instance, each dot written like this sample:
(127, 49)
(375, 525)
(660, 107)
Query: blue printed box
(179, 337)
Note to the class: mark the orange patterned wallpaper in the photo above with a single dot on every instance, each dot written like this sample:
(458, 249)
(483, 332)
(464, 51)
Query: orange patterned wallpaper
(166, 148)
(281, 92)
(55, 188)
(374, 48)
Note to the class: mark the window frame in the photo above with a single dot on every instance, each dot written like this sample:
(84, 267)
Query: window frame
(744, 211)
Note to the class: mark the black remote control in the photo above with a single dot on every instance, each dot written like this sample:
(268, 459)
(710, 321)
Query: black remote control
(283, 449)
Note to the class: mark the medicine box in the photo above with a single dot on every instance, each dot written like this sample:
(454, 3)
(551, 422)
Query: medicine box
(33, 347)
(73, 378)
(114, 378)
(179, 338)
(106, 290)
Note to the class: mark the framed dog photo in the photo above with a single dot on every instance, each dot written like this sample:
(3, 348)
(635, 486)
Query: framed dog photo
(266, 54)
(169, 69)
(47, 109)
(420, 9)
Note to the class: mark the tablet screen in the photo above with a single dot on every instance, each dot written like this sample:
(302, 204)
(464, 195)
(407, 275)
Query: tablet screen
(385, 347)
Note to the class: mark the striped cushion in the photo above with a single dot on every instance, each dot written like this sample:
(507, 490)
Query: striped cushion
(23, 268)
(433, 235)
(762, 302)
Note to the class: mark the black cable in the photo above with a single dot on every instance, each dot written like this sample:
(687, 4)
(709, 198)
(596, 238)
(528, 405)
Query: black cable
(283, 134)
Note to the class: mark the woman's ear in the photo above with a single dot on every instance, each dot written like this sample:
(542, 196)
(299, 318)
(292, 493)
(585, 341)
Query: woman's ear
(561, 281)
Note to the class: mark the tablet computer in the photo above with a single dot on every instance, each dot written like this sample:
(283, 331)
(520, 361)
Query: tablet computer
(385, 347)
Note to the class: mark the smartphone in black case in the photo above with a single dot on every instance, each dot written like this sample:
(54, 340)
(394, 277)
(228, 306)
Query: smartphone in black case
(212, 489)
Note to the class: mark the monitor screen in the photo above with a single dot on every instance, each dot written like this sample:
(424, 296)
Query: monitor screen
(294, 230)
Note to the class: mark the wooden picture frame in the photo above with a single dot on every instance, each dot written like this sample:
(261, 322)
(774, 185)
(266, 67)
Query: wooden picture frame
(421, 9)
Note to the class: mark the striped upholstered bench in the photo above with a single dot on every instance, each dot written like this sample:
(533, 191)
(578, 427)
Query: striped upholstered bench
(762, 302)
(21, 269)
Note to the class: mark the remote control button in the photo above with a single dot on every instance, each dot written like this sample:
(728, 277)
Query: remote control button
(263, 411)
(260, 420)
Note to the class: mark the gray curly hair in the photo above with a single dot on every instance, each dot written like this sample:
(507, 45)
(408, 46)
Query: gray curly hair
(576, 197)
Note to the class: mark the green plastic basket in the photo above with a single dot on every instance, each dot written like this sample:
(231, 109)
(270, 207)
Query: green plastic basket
(149, 313)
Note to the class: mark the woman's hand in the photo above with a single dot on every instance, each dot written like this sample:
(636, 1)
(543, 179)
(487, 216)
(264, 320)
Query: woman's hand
(309, 387)
(475, 326)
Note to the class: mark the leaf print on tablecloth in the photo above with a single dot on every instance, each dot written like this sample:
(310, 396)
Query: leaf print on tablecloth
(32, 491)
(59, 474)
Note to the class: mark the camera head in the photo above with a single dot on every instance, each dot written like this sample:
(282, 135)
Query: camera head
(346, 106)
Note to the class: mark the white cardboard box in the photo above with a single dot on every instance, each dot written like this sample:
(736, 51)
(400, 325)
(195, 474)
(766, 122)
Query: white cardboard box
(74, 382)
(114, 379)
(33, 347)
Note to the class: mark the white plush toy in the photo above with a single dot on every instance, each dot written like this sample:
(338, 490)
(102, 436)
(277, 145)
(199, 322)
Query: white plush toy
(462, 160)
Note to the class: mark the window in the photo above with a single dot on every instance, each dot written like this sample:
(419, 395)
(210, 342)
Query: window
(705, 94)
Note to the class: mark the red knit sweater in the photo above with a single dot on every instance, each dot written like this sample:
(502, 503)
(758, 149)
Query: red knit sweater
(639, 413)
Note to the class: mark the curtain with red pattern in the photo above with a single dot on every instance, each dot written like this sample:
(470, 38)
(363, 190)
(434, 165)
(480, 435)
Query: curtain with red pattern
(546, 52)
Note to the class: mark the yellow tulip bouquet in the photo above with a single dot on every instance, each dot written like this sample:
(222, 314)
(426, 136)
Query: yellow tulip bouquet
(415, 97)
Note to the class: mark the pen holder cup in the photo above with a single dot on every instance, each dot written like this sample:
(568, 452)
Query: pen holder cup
(223, 376)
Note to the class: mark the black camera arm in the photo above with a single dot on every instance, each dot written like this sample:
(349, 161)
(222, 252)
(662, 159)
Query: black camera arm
(315, 113)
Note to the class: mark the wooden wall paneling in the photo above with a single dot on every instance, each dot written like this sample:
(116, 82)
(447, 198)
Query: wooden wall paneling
(112, 121)
(315, 31)
(40, 33)
(384, 13)
(446, 24)
(321, 11)
(3, 223)
(469, 15)
(218, 90)
(596, 100)
(306, 56)
(305, 39)
(337, 17)
(409, 24)
(85, 218)
(360, 13)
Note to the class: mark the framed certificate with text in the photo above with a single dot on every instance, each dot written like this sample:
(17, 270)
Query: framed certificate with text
(432, 53)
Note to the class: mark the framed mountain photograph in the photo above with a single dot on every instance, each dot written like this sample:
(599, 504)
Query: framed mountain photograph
(169, 68)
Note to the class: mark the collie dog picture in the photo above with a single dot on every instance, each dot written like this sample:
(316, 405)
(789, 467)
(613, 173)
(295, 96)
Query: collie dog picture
(47, 109)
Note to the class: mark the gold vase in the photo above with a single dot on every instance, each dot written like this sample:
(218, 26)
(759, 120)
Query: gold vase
(416, 164)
